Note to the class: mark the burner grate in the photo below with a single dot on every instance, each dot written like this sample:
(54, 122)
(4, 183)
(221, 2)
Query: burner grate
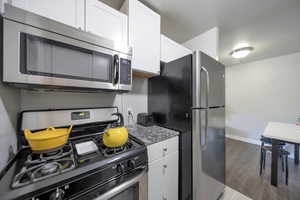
(41, 166)
(108, 152)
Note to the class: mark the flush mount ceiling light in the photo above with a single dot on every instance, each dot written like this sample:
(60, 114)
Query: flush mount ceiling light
(241, 52)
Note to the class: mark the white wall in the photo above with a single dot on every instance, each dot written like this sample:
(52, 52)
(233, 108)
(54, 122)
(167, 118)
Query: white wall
(9, 107)
(2, 2)
(262, 91)
(171, 50)
(136, 99)
(207, 42)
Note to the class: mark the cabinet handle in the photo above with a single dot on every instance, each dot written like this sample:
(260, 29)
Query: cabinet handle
(165, 151)
(164, 169)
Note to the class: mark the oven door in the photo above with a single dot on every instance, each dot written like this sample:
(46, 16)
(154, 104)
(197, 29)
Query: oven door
(34, 56)
(128, 187)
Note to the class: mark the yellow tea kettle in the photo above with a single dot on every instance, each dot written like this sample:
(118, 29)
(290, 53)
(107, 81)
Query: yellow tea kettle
(116, 135)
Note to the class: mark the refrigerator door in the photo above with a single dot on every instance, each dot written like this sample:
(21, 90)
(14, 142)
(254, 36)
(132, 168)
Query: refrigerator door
(208, 81)
(208, 138)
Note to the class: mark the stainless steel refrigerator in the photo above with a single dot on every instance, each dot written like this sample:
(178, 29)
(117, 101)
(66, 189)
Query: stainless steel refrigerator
(189, 96)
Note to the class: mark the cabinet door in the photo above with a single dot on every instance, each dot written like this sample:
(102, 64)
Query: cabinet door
(161, 149)
(106, 21)
(170, 179)
(70, 12)
(144, 37)
(155, 180)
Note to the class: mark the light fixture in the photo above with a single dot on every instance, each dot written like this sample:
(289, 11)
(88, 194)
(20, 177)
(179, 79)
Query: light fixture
(241, 52)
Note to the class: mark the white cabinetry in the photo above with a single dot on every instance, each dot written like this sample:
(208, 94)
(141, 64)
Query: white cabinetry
(163, 170)
(144, 36)
(170, 175)
(106, 21)
(70, 12)
(170, 50)
(155, 177)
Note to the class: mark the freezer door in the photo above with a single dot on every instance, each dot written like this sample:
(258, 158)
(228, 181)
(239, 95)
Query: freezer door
(208, 81)
(208, 153)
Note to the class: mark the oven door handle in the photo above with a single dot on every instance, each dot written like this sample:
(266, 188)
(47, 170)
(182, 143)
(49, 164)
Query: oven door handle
(116, 190)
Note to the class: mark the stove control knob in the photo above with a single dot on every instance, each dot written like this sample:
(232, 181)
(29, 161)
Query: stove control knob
(131, 164)
(57, 195)
(120, 168)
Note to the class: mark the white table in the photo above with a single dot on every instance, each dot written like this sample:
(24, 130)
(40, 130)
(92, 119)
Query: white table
(284, 132)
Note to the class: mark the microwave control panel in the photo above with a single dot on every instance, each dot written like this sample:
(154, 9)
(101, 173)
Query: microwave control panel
(125, 71)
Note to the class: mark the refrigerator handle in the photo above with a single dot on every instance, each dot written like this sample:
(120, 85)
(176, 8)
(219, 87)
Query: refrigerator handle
(207, 85)
(204, 146)
(207, 106)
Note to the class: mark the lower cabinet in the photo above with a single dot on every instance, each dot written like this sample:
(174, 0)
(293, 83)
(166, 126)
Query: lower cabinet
(170, 177)
(155, 180)
(163, 178)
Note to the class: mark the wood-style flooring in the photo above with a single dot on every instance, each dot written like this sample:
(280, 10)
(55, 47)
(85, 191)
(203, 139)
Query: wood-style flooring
(231, 194)
(242, 174)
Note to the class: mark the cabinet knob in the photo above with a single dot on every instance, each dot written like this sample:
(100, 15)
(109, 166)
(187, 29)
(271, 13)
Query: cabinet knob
(165, 151)
(187, 115)
(165, 166)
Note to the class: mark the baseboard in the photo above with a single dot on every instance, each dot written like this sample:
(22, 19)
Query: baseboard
(250, 141)
(244, 139)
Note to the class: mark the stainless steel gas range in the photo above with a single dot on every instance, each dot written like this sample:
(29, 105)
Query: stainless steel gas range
(101, 173)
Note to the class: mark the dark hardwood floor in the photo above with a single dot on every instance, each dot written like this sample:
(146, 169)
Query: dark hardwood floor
(242, 174)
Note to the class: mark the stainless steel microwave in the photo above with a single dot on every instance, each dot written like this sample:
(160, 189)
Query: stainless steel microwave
(39, 53)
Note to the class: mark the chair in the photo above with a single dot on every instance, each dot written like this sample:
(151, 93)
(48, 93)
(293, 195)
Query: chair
(283, 154)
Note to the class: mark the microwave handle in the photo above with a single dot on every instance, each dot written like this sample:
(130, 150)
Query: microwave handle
(116, 69)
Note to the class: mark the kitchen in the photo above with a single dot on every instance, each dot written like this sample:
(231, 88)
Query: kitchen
(134, 67)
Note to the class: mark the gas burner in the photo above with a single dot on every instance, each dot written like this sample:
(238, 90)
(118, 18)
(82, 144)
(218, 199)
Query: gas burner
(108, 152)
(52, 153)
(41, 166)
(36, 158)
(49, 168)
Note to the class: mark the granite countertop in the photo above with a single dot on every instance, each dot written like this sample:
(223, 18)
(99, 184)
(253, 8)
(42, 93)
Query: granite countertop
(151, 134)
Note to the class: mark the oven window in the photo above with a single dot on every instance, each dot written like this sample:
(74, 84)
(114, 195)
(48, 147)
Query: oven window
(44, 57)
(131, 193)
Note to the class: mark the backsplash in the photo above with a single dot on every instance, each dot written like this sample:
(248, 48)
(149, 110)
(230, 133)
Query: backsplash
(9, 107)
(136, 99)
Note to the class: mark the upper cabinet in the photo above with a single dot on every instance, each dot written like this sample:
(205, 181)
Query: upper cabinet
(106, 21)
(70, 12)
(170, 50)
(144, 36)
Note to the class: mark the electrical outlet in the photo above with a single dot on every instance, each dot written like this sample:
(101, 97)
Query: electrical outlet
(129, 111)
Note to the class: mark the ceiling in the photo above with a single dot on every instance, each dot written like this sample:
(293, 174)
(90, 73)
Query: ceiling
(270, 26)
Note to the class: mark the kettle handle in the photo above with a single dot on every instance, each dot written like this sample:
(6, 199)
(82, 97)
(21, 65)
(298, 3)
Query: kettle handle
(27, 133)
(70, 129)
(50, 128)
(121, 118)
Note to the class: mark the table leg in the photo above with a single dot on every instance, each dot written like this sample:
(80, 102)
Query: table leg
(296, 154)
(274, 168)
